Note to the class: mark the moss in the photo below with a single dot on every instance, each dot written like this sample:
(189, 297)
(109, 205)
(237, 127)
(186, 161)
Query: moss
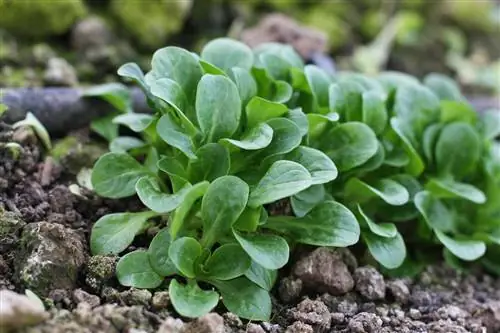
(75, 155)
(102, 267)
(36, 19)
(151, 22)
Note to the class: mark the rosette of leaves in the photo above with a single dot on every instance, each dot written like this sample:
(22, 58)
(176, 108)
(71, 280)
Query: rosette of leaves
(225, 139)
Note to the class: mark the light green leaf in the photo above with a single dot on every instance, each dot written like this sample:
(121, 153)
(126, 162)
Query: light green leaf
(123, 144)
(466, 249)
(175, 170)
(443, 86)
(149, 191)
(37, 126)
(249, 220)
(319, 82)
(105, 127)
(429, 139)
(174, 135)
(228, 261)
(319, 123)
(300, 119)
(134, 270)
(209, 68)
(281, 92)
(304, 201)
(158, 254)
(283, 179)
(447, 188)
(286, 137)
(416, 165)
(320, 166)
(212, 162)
(190, 300)
(114, 175)
(227, 53)
(387, 230)
(386, 189)
(389, 252)
(264, 278)
(270, 251)
(218, 107)
(137, 122)
(183, 253)
(490, 124)
(452, 111)
(115, 94)
(434, 212)
(113, 233)
(258, 137)
(374, 112)
(247, 87)
(260, 110)
(133, 72)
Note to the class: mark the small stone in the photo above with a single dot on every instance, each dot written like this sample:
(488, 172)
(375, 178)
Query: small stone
(271, 328)
(420, 298)
(400, 314)
(324, 271)
(370, 283)
(365, 322)
(451, 312)
(348, 308)
(110, 294)
(18, 311)
(290, 289)
(11, 225)
(136, 296)
(91, 32)
(490, 317)
(311, 312)
(100, 269)
(414, 314)
(299, 327)
(171, 325)
(60, 73)
(254, 328)
(338, 318)
(209, 323)
(232, 320)
(161, 300)
(399, 290)
(442, 326)
(80, 296)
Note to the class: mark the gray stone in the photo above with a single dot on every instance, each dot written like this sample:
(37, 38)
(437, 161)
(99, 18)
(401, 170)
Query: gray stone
(50, 257)
(136, 296)
(370, 283)
(313, 312)
(254, 328)
(209, 323)
(160, 300)
(81, 296)
(18, 311)
(91, 32)
(60, 73)
(399, 289)
(10, 228)
(171, 325)
(290, 289)
(365, 322)
(299, 327)
(324, 271)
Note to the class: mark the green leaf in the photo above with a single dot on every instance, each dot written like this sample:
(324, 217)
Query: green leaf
(286, 137)
(264, 278)
(249, 220)
(443, 86)
(174, 135)
(285, 52)
(260, 110)
(208, 68)
(115, 94)
(247, 87)
(389, 252)
(490, 124)
(133, 72)
(114, 175)
(227, 53)
(283, 179)
(300, 119)
(320, 166)
(319, 123)
(105, 127)
(37, 126)
(374, 112)
(195, 192)
(258, 137)
(466, 249)
(276, 67)
(319, 82)
(304, 201)
(149, 191)
(221, 206)
(151, 161)
(458, 149)
(245, 299)
(137, 122)
(447, 188)
(328, 224)
(350, 145)
(3, 109)
(458, 111)
(175, 170)
(387, 230)
(134, 270)
(218, 107)
(212, 162)
(179, 65)
(123, 144)
(158, 254)
(190, 300)
(113, 233)
(431, 135)
(228, 261)
(270, 251)
(434, 212)
(282, 92)
(386, 189)
(416, 165)
(183, 253)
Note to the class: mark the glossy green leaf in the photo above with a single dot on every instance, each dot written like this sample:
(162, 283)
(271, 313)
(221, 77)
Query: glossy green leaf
(37, 126)
(228, 261)
(227, 53)
(416, 165)
(209, 68)
(277, 68)
(221, 206)
(212, 162)
(247, 87)
(134, 270)
(374, 113)
(429, 139)
(173, 134)
(320, 166)
(283, 179)
(260, 110)
(300, 119)
(447, 188)
(137, 122)
(123, 144)
(304, 201)
(328, 224)
(319, 123)
(270, 251)
(175, 170)
(466, 249)
(105, 127)
(133, 72)
(183, 253)
(263, 277)
(452, 111)
(386, 189)
(190, 300)
(443, 86)
(149, 192)
(286, 137)
(387, 230)
(389, 252)
(258, 137)
(319, 82)
(113, 233)
(490, 124)
(115, 94)
(218, 107)
(114, 175)
(171, 92)
(434, 212)
(158, 254)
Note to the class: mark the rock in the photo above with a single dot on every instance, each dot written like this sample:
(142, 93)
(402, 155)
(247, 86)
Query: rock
(442, 326)
(271, 328)
(299, 327)
(365, 322)
(324, 271)
(209, 323)
(160, 300)
(314, 313)
(399, 290)
(151, 22)
(51, 17)
(136, 296)
(254, 328)
(10, 229)
(414, 314)
(80, 296)
(100, 269)
(50, 257)
(338, 318)
(60, 73)
(369, 283)
(451, 312)
(171, 325)
(290, 289)
(490, 316)
(42, 53)
(232, 320)
(90, 33)
(74, 154)
(18, 311)
(348, 307)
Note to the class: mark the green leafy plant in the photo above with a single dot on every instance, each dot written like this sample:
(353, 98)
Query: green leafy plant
(387, 160)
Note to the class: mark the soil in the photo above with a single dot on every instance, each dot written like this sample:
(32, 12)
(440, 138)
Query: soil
(44, 231)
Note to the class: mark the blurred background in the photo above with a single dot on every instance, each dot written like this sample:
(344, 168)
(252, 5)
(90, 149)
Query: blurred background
(81, 42)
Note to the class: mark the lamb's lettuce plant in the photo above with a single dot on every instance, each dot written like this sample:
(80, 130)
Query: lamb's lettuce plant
(235, 130)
